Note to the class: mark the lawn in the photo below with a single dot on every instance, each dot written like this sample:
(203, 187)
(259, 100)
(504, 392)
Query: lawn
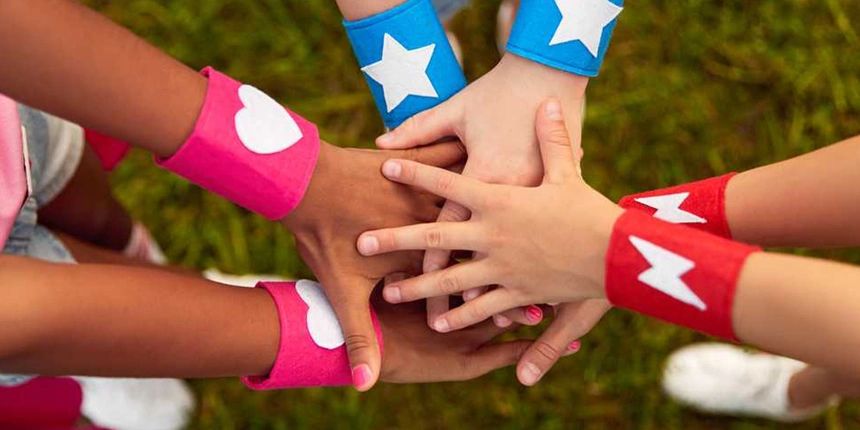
(690, 89)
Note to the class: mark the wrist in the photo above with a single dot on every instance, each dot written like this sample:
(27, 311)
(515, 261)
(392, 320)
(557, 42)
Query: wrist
(304, 216)
(547, 81)
(601, 234)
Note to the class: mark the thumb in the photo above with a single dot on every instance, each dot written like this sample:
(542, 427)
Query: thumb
(555, 147)
(353, 312)
(425, 127)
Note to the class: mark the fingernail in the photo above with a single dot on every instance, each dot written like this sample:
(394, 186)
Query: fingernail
(470, 295)
(573, 348)
(392, 294)
(441, 325)
(360, 376)
(391, 169)
(385, 139)
(534, 314)
(432, 267)
(553, 110)
(368, 245)
(531, 374)
(501, 321)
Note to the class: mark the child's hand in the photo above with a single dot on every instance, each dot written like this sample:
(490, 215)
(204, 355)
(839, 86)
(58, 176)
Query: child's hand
(415, 353)
(348, 195)
(494, 118)
(540, 245)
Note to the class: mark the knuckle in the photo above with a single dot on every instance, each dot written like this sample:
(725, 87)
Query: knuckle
(444, 183)
(433, 238)
(411, 154)
(477, 313)
(357, 343)
(546, 351)
(449, 284)
(559, 136)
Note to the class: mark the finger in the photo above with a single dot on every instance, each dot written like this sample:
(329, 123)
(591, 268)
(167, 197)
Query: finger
(353, 312)
(436, 306)
(556, 149)
(473, 293)
(466, 191)
(574, 321)
(446, 282)
(443, 154)
(494, 356)
(434, 235)
(494, 302)
(425, 127)
(526, 315)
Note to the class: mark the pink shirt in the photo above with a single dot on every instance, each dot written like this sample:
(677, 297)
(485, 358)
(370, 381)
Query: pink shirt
(13, 179)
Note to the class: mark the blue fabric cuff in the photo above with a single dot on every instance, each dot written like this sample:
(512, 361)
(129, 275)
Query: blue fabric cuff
(406, 59)
(571, 35)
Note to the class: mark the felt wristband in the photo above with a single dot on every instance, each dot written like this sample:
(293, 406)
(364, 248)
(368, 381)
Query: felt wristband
(700, 204)
(677, 274)
(248, 149)
(570, 35)
(406, 59)
(312, 352)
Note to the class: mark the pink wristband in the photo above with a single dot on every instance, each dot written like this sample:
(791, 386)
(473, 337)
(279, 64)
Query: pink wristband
(678, 274)
(312, 351)
(248, 149)
(700, 204)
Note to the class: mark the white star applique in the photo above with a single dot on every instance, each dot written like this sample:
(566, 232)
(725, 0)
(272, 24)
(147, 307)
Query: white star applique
(584, 20)
(669, 208)
(402, 72)
(665, 272)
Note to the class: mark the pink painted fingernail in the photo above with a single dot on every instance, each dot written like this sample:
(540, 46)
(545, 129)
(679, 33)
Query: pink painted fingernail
(361, 376)
(574, 347)
(391, 169)
(368, 245)
(534, 314)
(392, 294)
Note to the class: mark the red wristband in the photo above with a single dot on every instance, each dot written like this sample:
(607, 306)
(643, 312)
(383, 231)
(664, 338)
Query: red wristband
(677, 274)
(700, 204)
(109, 151)
(248, 149)
(312, 352)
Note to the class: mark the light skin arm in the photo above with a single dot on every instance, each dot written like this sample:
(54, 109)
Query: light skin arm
(795, 306)
(818, 190)
(357, 9)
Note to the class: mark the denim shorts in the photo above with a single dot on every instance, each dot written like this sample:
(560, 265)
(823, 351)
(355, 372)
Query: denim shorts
(448, 8)
(54, 147)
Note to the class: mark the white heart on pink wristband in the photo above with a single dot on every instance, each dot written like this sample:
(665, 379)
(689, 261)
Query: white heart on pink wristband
(263, 125)
(322, 322)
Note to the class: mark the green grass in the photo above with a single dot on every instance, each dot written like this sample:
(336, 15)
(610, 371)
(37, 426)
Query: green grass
(690, 89)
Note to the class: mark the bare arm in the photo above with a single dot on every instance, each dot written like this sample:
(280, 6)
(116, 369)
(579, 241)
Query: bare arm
(115, 320)
(358, 9)
(812, 200)
(64, 58)
(801, 307)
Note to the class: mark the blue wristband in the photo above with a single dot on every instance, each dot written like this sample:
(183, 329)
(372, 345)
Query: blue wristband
(571, 35)
(406, 59)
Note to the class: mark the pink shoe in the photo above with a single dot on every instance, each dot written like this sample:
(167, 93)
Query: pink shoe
(142, 246)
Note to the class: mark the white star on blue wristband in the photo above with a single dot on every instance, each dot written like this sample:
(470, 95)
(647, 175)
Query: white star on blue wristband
(570, 35)
(406, 59)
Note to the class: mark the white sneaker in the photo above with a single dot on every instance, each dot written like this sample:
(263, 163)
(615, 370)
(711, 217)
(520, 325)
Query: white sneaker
(248, 281)
(136, 404)
(724, 379)
(142, 246)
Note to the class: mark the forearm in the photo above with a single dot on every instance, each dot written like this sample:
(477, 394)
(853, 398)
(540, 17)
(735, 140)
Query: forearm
(126, 321)
(358, 9)
(810, 201)
(801, 307)
(62, 57)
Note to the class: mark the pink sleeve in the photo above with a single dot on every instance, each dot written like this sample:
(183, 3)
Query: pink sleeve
(312, 351)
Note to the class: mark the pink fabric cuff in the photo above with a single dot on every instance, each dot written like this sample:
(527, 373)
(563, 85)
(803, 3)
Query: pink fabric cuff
(13, 178)
(248, 148)
(312, 352)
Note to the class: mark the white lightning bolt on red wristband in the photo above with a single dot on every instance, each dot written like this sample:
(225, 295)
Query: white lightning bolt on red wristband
(700, 204)
(674, 273)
